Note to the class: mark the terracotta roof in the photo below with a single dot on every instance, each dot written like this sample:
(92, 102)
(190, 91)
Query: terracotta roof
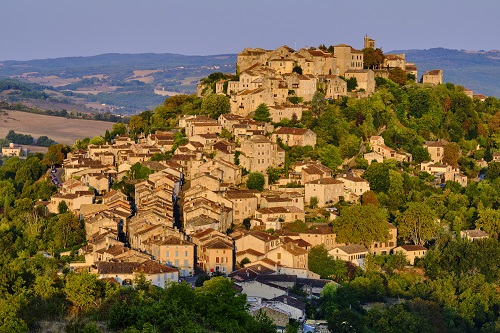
(240, 194)
(352, 248)
(249, 251)
(294, 249)
(413, 248)
(325, 181)
(275, 210)
(153, 267)
(434, 72)
(475, 233)
(105, 267)
(263, 236)
(291, 130)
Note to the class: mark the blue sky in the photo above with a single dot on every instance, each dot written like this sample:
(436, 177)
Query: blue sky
(34, 29)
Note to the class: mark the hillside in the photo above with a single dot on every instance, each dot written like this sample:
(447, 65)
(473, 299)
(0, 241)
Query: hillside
(475, 70)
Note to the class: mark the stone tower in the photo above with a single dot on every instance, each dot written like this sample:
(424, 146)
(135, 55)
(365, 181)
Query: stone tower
(369, 42)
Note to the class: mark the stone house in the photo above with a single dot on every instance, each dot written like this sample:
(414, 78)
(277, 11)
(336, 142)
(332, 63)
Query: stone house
(386, 247)
(436, 149)
(244, 204)
(412, 252)
(214, 251)
(278, 112)
(348, 58)
(326, 190)
(473, 235)
(433, 77)
(287, 214)
(334, 87)
(258, 153)
(355, 185)
(256, 240)
(353, 253)
(174, 251)
(292, 136)
(364, 77)
(322, 234)
(289, 255)
(73, 201)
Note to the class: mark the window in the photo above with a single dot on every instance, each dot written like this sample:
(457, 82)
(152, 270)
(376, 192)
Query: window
(185, 253)
(167, 254)
(176, 253)
(279, 256)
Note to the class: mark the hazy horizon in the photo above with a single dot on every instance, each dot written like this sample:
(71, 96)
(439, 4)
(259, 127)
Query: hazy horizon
(58, 28)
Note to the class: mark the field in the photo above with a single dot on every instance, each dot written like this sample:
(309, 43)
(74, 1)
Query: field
(62, 130)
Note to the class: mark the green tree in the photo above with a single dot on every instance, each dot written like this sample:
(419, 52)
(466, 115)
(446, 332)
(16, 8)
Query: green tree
(362, 225)
(97, 140)
(420, 154)
(273, 174)
(329, 155)
(256, 181)
(352, 84)
(297, 69)
(62, 207)
(493, 171)
(320, 262)
(451, 153)
(318, 103)
(489, 221)
(377, 175)
(139, 171)
(82, 290)
(227, 308)
(418, 222)
(215, 105)
(118, 129)
(398, 75)
(262, 113)
(313, 202)
(369, 198)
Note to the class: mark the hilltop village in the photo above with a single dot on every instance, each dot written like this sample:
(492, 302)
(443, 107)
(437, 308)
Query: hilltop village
(304, 170)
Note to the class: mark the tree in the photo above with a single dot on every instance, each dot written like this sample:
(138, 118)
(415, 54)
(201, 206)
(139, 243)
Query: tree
(97, 140)
(372, 58)
(227, 307)
(256, 181)
(215, 105)
(62, 207)
(262, 113)
(313, 202)
(320, 262)
(329, 155)
(377, 174)
(362, 225)
(398, 75)
(297, 69)
(420, 154)
(493, 171)
(139, 171)
(418, 223)
(246, 223)
(489, 221)
(352, 84)
(318, 103)
(118, 129)
(273, 174)
(82, 290)
(55, 154)
(451, 153)
(369, 198)
(67, 231)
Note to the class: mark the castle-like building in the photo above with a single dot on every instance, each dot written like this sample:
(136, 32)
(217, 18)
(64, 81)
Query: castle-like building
(284, 76)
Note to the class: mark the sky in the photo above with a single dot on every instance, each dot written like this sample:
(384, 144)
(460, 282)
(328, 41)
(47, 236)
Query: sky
(34, 29)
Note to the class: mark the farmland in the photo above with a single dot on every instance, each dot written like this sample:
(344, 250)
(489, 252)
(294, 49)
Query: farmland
(60, 129)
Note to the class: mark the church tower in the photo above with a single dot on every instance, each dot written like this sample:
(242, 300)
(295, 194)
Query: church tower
(369, 42)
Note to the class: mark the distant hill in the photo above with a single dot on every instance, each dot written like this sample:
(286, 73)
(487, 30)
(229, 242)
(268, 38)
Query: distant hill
(122, 83)
(475, 70)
